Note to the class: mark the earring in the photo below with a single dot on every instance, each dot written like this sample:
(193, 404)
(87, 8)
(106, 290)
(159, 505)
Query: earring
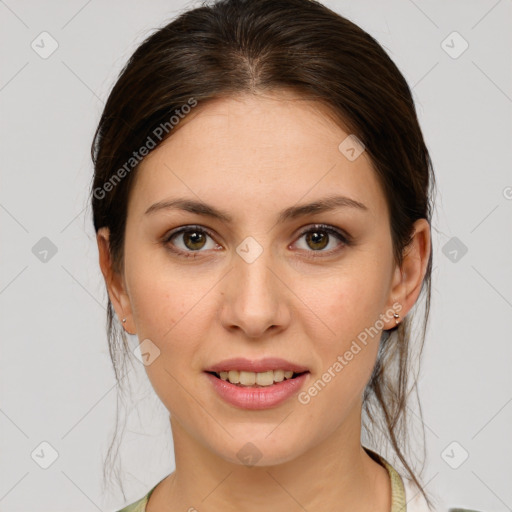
(397, 316)
(124, 320)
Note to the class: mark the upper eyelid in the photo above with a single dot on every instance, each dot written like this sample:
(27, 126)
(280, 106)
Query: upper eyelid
(188, 227)
(344, 237)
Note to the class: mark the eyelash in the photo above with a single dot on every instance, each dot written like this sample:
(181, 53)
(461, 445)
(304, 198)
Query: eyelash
(344, 239)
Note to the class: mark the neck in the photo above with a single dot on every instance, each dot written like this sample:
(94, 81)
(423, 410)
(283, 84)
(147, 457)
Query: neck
(336, 474)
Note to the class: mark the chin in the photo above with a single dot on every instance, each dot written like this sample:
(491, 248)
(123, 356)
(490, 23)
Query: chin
(260, 450)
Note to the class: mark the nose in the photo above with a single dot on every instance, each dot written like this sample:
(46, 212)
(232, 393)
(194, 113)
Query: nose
(255, 297)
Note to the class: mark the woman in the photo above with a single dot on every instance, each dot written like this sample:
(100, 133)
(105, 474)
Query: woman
(262, 200)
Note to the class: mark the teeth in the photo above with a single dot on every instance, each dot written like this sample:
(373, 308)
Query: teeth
(244, 378)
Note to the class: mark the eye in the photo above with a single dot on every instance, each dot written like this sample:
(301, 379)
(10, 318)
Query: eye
(190, 239)
(319, 237)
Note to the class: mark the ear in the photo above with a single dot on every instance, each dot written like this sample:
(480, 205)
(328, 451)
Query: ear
(114, 281)
(408, 278)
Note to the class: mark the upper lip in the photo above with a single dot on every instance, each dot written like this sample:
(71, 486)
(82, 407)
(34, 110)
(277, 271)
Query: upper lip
(261, 365)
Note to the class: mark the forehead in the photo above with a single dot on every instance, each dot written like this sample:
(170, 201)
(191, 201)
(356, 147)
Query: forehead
(263, 149)
(278, 119)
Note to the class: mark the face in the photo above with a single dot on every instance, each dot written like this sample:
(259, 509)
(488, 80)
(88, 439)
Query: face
(268, 280)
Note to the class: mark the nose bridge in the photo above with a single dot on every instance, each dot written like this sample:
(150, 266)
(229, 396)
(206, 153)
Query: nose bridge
(253, 263)
(255, 300)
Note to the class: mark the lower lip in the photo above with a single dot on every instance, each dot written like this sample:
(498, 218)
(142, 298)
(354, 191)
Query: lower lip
(257, 398)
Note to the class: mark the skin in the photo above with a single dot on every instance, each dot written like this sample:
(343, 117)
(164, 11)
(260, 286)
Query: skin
(253, 156)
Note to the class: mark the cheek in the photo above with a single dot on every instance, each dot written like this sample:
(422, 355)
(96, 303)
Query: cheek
(155, 308)
(164, 312)
(169, 307)
(160, 297)
(349, 304)
(352, 301)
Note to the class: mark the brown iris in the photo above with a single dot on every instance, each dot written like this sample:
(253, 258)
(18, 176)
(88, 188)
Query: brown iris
(197, 239)
(317, 237)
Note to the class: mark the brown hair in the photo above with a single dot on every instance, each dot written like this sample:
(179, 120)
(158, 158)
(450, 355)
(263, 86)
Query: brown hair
(234, 47)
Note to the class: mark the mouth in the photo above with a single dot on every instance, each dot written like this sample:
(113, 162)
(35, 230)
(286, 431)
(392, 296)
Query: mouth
(245, 389)
(245, 379)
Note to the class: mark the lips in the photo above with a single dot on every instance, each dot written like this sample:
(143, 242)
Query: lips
(257, 398)
(256, 366)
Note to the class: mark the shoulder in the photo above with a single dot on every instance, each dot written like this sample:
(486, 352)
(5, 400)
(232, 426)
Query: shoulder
(415, 500)
(137, 506)
(417, 503)
(140, 504)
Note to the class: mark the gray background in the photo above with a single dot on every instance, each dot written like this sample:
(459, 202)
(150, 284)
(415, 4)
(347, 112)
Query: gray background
(57, 385)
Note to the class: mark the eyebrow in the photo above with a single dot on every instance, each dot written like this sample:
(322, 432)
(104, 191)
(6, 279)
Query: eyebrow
(293, 212)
